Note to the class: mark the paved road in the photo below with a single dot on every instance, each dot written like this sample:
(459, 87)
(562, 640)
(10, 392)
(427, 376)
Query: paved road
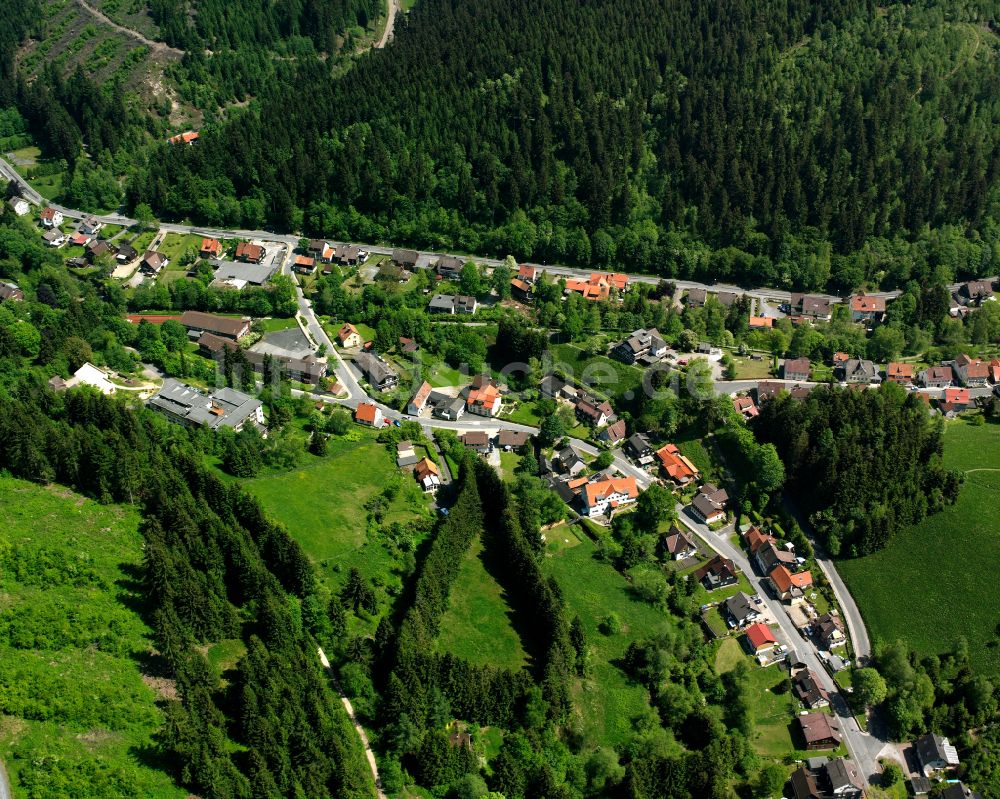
(865, 749)
(369, 754)
(5, 792)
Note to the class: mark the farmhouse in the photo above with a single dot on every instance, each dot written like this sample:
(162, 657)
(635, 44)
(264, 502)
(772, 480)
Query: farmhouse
(677, 466)
(819, 730)
(603, 497)
(349, 337)
(759, 638)
(368, 414)
(197, 323)
(226, 407)
(717, 573)
(379, 374)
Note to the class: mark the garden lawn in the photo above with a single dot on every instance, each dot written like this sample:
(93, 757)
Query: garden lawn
(175, 245)
(607, 699)
(477, 625)
(75, 708)
(931, 584)
(274, 324)
(610, 377)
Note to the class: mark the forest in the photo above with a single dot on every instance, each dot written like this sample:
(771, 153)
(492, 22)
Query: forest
(861, 464)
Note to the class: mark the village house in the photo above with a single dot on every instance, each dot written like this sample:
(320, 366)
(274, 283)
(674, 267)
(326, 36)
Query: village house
(320, 250)
(727, 298)
(225, 407)
(954, 400)
(527, 273)
(446, 407)
(679, 544)
(478, 440)
(745, 406)
(769, 556)
(811, 307)
(126, 254)
(79, 239)
(405, 259)
(741, 610)
(368, 414)
(995, 370)
(827, 779)
(571, 462)
(957, 790)
(346, 255)
(676, 465)
(761, 322)
(597, 287)
(790, 587)
(427, 474)
(638, 447)
(406, 454)
(819, 730)
(796, 369)
(153, 262)
(717, 573)
(593, 411)
(867, 309)
(10, 292)
(211, 249)
(510, 440)
(613, 434)
(97, 249)
(452, 304)
(970, 372)
(603, 497)
(935, 753)
(229, 327)
(696, 298)
(710, 504)
(901, 373)
(238, 275)
(304, 265)
(250, 253)
(555, 387)
(935, 377)
(975, 292)
(484, 397)
(91, 226)
(520, 289)
(759, 638)
(618, 282)
(54, 237)
(407, 345)
(755, 538)
(379, 374)
(50, 217)
(642, 344)
(860, 372)
(829, 630)
(349, 337)
(19, 206)
(449, 266)
(808, 690)
(419, 399)
(188, 137)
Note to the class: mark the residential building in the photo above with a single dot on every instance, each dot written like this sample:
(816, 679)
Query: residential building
(769, 556)
(349, 337)
(603, 497)
(520, 289)
(796, 369)
(710, 504)
(478, 440)
(679, 544)
(593, 411)
(97, 249)
(935, 377)
(406, 455)
(616, 281)
(527, 273)
(638, 447)
(829, 630)
(970, 372)
(250, 253)
(901, 373)
(188, 137)
(229, 327)
(727, 298)
(810, 693)
(571, 462)
(819, 730)
(788, 586)
(346, 255)
(957, 790)
(368, 414)
(304, 370)
(91, 226)
(597, 288)
(225, 407)
(442, 303)
(955, 400)
(761, 322)
(50, 217)
(240, 275)
(427, 474)
(613, 434)
(860, 372)
(484, 398)
(211, 248)
(509, 440)
(994, 371)
(304, 265)
(804, 784)
(755, 538)
(555, 387)
(867, 309)
(126, 253)
(742, 609)
(935, 753)
(19, 206)
(153, 262)
(745, 406)
(379, 374)
(676, 465)
(449, 266)
(843, 779)
(696, 298)
(811, 307)
(975, 292)
(86, 375)
(641, 344)
(320, 250)
(760, 639)
(717, 573)
(54, 237)
(405, 259)
(407, 345)
(79, 239)
(419, 399)
(10, 292)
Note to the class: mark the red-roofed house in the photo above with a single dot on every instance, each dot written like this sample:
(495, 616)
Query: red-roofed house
(613, 434)
(788, 586)
(368, 414)
(746, 406)
(527, 273)
(484, 400)
(614, 280)
(971, 372)
(759, 638)
(427, 474)
(249, 253)
(51, 217)
(419, 400)
(761, 322)
(211, 248)
(995, 371)
(756, 538)
(867, 309)
(603, 497)
(590, 290)
(901, 373)
(676, 465)
(955, 400)
(187, 137)
(304, 265)
(348, 336)
(520, 289)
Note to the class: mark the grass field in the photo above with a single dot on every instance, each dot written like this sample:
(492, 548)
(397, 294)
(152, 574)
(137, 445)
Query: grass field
(608, 700)
(929, 585)
(604, 374)
(272, 325)
(76, 709)
(175, 245)
(477, 624)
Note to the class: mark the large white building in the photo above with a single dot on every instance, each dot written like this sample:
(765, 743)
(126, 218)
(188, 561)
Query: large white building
(602, 497)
